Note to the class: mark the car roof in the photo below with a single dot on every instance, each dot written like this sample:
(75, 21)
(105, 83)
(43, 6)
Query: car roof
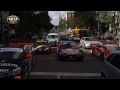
(52, 34)
(11, 49)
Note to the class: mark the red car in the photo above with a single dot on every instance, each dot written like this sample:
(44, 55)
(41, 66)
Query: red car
(103, 49)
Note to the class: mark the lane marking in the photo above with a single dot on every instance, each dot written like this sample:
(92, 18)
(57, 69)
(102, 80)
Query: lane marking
(57, 58)
(58, 74)
(53, 47)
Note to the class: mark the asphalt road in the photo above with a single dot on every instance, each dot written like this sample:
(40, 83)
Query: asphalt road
(49, 67)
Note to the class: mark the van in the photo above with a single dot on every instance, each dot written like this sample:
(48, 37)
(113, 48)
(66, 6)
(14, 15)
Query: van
(53, 38)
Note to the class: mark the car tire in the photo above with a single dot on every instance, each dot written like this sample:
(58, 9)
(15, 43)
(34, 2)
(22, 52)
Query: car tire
(102, 56)
(84, 46)
(103, 76)
(93, 51)
(49, 52)
(27, 73)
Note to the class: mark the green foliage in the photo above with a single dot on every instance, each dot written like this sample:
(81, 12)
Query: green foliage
(32, 20)
(85, 19)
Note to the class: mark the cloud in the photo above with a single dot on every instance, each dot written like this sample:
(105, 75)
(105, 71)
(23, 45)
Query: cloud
(55, 16)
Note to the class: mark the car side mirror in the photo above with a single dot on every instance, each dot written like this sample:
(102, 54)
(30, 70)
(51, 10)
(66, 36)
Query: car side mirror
(28, 55)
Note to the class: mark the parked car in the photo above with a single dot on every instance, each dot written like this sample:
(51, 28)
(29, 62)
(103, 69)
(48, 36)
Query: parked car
(111, 66)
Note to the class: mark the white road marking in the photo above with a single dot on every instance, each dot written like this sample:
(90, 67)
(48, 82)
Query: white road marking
(53, 47)
(57, 58)
(58, 74)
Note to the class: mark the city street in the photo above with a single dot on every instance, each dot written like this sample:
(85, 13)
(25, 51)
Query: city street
(49, 67)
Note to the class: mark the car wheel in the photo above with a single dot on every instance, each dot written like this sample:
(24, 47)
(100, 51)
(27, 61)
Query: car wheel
(93, 51)
(103, 76)
(27, 73)
(49, 52)
(102, 56)
(84, 46)
(80, 45)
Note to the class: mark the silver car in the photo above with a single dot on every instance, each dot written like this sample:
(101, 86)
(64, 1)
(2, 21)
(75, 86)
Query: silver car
(86, 42)
(111, 66)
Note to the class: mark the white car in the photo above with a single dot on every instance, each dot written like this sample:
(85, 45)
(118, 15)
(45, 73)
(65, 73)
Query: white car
(86, 42)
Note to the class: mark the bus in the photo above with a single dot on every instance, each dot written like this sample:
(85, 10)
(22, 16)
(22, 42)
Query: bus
(81, 32)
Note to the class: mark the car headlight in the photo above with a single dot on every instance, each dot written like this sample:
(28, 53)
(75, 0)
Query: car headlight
(16, 71)
(46, 48)
(39, 49)
(80, 53)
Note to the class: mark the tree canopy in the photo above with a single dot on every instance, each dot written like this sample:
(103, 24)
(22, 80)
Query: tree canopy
(33, 20)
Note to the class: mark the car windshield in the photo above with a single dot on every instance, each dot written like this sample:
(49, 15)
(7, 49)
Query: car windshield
(53, 36)
(76, 36)
(73, 46)
(11, 56)
(89, 39)
(112, 47)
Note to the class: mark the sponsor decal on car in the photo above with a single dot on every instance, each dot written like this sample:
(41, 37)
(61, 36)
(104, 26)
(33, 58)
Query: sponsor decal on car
(11, 49)
(39, 46)
(8, 64)
(4, 70)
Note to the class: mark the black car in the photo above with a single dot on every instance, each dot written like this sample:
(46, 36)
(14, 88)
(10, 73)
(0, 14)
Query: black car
(42, 47)
(15, 63)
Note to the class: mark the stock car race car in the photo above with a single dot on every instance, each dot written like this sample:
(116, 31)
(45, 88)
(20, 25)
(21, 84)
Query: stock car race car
(70, 50)
(15, 63)
(42, 47)
(104, 49)
(62, 42)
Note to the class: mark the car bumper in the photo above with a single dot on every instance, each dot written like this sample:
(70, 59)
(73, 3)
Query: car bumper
(87, 45)
(71, 56)
(42, 52)
(53, 43)
(13, 77)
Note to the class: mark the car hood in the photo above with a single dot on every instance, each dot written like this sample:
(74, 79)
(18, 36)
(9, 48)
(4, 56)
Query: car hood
(7, 66)
(39, 46)
(91, 42)
(70, 51)
(56, 39)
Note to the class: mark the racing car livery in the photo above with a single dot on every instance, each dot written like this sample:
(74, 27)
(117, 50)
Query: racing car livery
(70, 50)
(42, 47)
(15, 63)
(104, 49)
